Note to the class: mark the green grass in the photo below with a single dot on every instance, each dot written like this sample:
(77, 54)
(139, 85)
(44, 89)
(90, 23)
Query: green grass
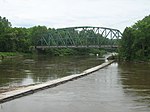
(5, 54)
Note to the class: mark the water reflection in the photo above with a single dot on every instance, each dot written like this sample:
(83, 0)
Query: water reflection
(135, 78)
(120, 87)
(31, 70)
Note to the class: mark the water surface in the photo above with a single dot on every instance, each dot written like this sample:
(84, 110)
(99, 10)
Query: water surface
(24, 71)
(123, 87)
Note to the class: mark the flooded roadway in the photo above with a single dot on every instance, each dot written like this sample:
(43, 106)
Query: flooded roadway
(117, 88)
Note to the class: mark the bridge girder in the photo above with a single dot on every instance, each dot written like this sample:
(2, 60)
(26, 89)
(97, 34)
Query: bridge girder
(81, 36)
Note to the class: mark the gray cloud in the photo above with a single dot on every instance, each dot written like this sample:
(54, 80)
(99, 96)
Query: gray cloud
(63, 13)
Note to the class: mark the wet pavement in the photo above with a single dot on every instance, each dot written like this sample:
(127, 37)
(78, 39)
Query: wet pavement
(103, 91)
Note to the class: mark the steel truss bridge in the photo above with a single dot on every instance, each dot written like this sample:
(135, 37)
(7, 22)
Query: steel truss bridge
(81, 37)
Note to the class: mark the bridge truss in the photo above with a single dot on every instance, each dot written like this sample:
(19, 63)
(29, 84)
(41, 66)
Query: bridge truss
(81, 37)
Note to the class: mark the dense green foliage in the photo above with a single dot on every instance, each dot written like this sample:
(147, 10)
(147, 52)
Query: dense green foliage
(73, 51)
(13, 39)
(3, 54)
(23, 39)
(135, 43)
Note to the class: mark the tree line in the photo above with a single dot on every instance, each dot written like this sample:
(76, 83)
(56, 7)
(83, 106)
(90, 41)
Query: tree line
(13, 39)
(135, 43)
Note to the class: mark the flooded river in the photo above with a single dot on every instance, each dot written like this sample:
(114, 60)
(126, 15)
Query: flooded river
(24, 71)
(120, 87)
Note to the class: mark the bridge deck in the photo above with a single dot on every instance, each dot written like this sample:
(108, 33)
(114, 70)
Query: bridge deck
(89, 46)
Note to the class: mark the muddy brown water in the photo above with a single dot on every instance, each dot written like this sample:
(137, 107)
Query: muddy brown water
(24, 71)
(120, 87)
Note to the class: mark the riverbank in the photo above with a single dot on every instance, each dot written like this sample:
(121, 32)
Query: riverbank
(72, 51)
(7, 96)
(57, 52)
(4, 55)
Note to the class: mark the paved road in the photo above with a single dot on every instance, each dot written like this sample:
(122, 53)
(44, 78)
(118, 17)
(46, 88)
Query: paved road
(101, 91)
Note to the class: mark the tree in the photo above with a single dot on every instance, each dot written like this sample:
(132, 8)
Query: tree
(126, 44)
(135, 43)
(37, 33)
(6, 35)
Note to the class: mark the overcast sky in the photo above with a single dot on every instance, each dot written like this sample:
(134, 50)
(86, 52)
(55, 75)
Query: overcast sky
(65, 13)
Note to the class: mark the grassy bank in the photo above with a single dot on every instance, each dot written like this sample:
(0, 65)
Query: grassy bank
(56, 52)
(9, 54)
(72, 51)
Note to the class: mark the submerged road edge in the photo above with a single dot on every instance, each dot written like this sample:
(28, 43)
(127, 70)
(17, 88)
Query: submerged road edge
(11, 95)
